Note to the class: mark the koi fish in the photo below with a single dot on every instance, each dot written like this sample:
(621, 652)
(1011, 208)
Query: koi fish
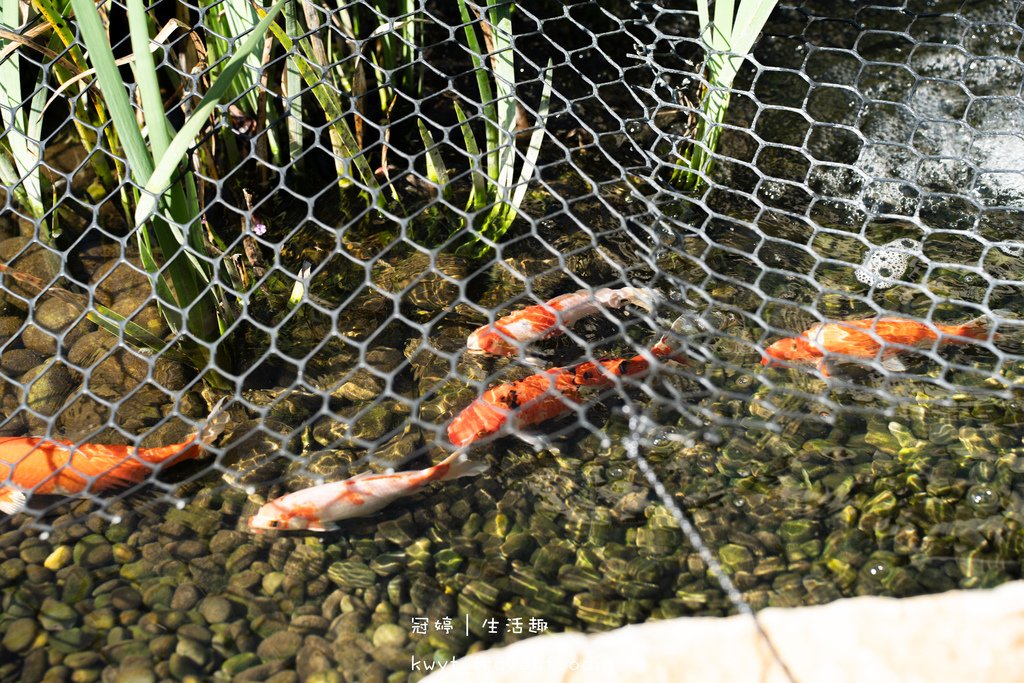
(868, 339)
(53, 467)
(544, 396)
(314, 508)
(533, 323)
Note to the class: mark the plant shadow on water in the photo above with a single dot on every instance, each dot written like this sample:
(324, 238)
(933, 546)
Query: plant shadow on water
(875, 484)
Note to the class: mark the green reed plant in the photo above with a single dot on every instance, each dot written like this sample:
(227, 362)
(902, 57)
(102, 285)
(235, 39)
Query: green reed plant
(21, 148)
(395, 28)
(309, 60)
(167, 214)
(498, 189)
(222, 20)
(727, 40)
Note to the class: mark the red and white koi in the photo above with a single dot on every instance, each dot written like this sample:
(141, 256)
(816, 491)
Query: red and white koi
(53, 467)
(508, 334)
(511, 406)
(315, 508)
(868, 339)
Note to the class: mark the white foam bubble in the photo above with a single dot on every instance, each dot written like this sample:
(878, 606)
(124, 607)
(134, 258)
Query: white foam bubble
(885, 265)
(1012, 248)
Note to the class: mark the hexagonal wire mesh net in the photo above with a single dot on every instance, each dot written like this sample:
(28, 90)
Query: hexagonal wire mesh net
(869, 167)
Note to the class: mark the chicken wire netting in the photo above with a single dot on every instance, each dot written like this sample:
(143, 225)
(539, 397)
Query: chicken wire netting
(869, 167)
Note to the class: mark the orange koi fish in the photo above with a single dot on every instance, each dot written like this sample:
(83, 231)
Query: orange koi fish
(314, 508)
(54, 467)
(868, 339)
(544, 396)
(533, 323)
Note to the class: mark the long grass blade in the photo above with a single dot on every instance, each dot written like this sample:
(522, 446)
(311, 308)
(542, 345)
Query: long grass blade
(293, 88)
(436, 171)
(478, 197)
(345, 141)
(95, 38)
(177, 149)
(483, 83)
(533, 148)
(500, 16)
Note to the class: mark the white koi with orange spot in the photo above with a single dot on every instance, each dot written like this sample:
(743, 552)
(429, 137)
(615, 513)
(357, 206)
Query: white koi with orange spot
(533, 323)
(314, 508)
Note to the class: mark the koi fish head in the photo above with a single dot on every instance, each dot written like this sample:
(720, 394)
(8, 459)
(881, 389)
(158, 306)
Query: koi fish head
(790, 350)
(489, 340)
(276, 517)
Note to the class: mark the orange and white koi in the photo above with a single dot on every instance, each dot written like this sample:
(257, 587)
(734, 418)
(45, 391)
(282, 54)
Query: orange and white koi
(53, 467)
(868, 339)
(315, 508)
(513, 405)
(508, 334)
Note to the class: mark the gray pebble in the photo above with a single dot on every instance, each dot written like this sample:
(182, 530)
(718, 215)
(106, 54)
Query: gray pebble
(185, 597)
(280, 645)
(215, 609)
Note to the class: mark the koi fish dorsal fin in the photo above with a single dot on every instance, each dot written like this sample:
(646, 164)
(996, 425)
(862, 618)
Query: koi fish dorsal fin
(12, 501)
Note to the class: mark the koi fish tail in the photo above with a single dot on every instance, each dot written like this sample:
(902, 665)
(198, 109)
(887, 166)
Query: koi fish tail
(216, 424)
(978, 328)
(12, 501)
(665, 350)
(458, 465)
(193, 448)
(642, 297)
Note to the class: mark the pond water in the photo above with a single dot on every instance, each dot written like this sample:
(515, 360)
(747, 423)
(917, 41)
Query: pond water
(878, 127)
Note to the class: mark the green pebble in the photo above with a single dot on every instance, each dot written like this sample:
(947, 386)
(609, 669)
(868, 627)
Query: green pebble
(797, 530)
(137, 571)
(736, 557)
(101, 619)
(158, 596)
(241, 558)
(448, 561)
(135, 674)
(20, 635)
(118, 533)
(77, 585)
(272, 582)
(71, 640)
(390, 635)
(55, 615)
(125, 598)
(93, 552)
(352, 575)
(34, 551)
(162, 646)
(12, 569)
(192, 650)
(325, 677)
(239, 663)
(83, 660)
(58, 559)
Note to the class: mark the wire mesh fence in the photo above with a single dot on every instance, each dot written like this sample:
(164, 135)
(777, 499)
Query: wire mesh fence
(339, 196)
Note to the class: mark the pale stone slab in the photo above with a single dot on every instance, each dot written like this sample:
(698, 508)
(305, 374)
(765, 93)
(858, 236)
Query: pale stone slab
(955, 636)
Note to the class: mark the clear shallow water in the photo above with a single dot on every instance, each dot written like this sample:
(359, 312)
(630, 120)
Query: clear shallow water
(805, 492)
